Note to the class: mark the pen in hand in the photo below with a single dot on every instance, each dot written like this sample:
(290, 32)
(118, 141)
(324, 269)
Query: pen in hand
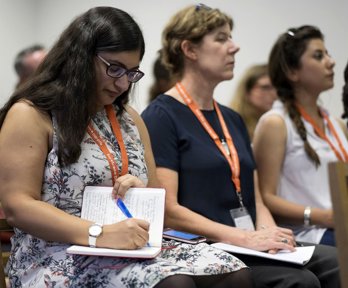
(123, 208)
(125, 211)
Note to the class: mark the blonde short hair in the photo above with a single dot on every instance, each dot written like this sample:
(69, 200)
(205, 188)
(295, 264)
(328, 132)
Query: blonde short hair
(191, 23)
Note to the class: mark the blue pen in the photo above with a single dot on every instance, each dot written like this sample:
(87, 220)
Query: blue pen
(123, 208)
(125, 211)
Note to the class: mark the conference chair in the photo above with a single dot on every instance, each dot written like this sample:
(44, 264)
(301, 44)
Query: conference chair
(338, 177)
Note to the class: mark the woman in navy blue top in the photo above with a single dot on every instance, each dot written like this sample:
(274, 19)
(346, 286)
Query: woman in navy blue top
(203, 155)
(180, 143)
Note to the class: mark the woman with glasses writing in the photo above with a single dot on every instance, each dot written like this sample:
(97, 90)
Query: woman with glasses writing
(68, 128)
(204, 159)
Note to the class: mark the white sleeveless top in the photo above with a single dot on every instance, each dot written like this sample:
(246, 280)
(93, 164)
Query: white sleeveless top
(300, 181)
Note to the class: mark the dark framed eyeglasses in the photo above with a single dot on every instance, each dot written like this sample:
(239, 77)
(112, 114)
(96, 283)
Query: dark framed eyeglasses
(117, 71)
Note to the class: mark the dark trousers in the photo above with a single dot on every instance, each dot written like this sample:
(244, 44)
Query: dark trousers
(328, 238)
(321, 271)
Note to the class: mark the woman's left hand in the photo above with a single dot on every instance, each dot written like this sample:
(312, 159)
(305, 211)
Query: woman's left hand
(123, 183)
(271, 239)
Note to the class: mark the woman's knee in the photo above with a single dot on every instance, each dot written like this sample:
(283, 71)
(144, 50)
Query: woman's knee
(240, 278)
(179, 280)
(303, 279)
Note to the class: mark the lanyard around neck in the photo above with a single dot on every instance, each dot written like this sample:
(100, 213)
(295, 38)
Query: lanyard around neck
(322, 134)
(231, 157)
(111, 113)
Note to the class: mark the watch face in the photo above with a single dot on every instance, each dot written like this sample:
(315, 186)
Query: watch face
(95, 230)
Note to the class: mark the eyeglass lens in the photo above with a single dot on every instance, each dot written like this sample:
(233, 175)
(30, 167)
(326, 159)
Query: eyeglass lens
(116, 71)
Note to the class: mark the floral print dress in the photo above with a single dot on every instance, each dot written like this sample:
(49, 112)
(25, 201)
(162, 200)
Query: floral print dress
(38, 263)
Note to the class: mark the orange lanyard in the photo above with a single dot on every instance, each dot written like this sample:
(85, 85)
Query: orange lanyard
(322, 135)
(101, 143)
(231, 156)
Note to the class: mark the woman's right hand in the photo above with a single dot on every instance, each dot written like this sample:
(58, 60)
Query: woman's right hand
(271, 239)
(129, 234)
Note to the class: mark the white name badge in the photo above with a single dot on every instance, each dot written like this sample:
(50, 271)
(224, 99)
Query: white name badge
(242, 219)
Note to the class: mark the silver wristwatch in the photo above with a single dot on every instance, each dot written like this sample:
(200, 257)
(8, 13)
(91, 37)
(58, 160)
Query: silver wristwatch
(95, 230)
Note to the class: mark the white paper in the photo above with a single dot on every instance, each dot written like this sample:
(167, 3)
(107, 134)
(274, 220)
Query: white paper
(143, 203)
(300, 256)
(145, 252)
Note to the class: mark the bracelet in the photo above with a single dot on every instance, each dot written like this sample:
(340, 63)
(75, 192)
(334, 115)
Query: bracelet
(307, 216)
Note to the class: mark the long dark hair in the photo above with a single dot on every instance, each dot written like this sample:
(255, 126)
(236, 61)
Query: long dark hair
(284, 57)
(64, 85)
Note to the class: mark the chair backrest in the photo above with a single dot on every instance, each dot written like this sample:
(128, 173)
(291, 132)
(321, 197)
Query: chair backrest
(338, 175)
(4, 227)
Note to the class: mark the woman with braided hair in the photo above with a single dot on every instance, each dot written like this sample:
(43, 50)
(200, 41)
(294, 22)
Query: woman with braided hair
(297, 138)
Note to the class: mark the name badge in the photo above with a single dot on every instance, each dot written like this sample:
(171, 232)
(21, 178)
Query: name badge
(242, 219)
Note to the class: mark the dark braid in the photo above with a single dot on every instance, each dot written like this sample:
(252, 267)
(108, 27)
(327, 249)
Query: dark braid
(284, 57)
(295, 116)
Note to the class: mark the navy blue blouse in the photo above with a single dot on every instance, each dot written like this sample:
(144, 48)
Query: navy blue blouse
(180, 143)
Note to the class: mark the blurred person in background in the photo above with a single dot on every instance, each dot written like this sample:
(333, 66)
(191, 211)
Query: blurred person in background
(254, 96)
(163, 80)
(27, 61)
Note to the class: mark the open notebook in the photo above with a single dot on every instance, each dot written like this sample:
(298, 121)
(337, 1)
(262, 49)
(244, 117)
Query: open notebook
(143, 203)
(300, 256)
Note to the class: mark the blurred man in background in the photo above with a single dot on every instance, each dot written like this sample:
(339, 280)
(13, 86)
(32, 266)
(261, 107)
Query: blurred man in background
(27, 61)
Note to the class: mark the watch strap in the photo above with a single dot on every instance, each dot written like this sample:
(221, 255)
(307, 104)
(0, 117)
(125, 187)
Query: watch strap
(92, 239)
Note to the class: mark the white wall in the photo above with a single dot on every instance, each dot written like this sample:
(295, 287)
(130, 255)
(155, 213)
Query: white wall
(17, 30)
(257, 25)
